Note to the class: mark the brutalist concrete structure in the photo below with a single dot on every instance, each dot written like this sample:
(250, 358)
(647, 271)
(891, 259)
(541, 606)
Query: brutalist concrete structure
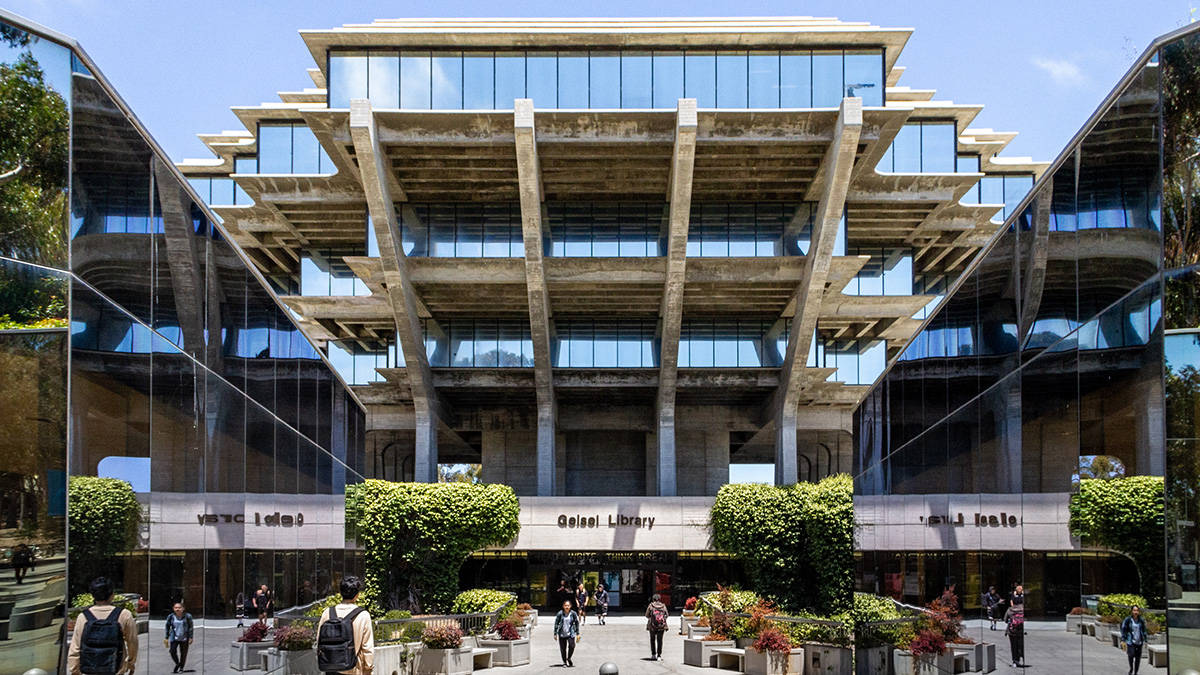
(610, 257)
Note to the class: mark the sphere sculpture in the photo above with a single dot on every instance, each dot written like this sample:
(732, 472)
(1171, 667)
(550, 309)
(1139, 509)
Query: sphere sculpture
(609, 668)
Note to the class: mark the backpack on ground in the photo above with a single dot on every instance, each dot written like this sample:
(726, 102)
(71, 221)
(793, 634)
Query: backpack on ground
(102, 647)
(658, 618)
(335, 643)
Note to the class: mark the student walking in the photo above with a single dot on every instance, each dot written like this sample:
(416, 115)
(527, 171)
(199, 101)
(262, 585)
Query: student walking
(239, 609)
(178, 637)
(581, 597)
(656, 624)
(1014, 618)
(22, 562)
(1133, 634)
(601, 603)
(991, 601)
(104, 641)
(566, 631)
(345, 639)
(262, 601)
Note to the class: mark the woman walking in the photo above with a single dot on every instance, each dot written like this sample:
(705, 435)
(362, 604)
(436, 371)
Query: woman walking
(566, 631)
(1015, 620)
(581, 597)
(656, 623)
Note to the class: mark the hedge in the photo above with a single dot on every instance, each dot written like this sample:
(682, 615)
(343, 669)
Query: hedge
(416, 536)
(481, 600)
(797, 542)
(1126, 515)
(103, 516)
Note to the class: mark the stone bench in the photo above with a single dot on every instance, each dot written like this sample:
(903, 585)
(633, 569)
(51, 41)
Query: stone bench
(730, 658)
(481, 657)
(1115, 637)
(1158, 655)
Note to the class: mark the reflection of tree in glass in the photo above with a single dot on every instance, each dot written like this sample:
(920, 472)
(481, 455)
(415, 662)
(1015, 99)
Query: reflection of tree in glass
(460, 473)
(34, 125)
(1181, 182)
(1098, 466)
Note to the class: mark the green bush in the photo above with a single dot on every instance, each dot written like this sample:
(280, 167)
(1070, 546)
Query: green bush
(84, 600)
(442, 637)
(1120, 604)
(727, 600)
(869, 608)
(102, 516)
(416, 536)
(797, 542)
(413, 631)
(481, 600)
(391, 632)
(1126, 515)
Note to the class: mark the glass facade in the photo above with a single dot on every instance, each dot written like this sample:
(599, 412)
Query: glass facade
(732, 343)
(220, 191)
(290, 147)
(136, 344)
(614, 79)
(605, 343)
(923, 147)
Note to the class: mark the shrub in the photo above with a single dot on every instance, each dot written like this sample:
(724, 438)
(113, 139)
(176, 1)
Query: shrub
(1077, 611)
(143, 606)
(102, 517)
(257, 632)
(507, 631)
(525, 606)
(758, 621)
(1120, 604)
(797, 542)
(294, 638)
(448, 636)
(927, 642)
(1122, 514)
(321, 607)
(773, 640)
(871, 608)
(802, 632)
(702, 622)
(715, 637)
(1110, 618)
(728, 600)
(416, 536)
(397, 615)
(413, 631)
(484, 600)
(943, 618)
(720, 623)
(690, 603)
(85, 600)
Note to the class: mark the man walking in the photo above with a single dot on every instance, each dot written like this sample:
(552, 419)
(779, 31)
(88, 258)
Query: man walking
(566, 630)
(104, 641)
(345, 640)
(262, 601)
(22, 562)
(656, 623)
(991, 600)
(1133, 634)
(601, 603)
(179, 636)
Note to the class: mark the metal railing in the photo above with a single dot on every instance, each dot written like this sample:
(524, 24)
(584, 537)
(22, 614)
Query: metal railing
(839, 630)
(477, 624)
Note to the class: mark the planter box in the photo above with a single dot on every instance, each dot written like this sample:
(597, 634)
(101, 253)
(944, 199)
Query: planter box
(1073, 621)
(926, 664)
(770, 663)
(821, 659)
(694, 631)
(290, 663)
(508, 652)
(395, 659)
(685, 621)
(873, 660)
(981, 656)
(1103, 631)
(744, 643)
(697, 652)
(247, 655)
(445, 661)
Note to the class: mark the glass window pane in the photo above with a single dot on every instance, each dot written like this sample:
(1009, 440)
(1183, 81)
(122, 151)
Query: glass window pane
(604, 69)
(578, 230)
(510, 78)
(508, 349)
(447, 75)
(306, 152)
(486, 343)
(462, 343)
(700, 78)
(573, 80)
(275, 148)
(827, 79)
(604, 230)
(906, 149)
(701, 348)
(725, 344)
(864, 76)
(581, 344)
(741, 230)
(469, 232)
(415, 85)
(636, 80)
(496, 231)
(347, 78)
(668, 79)
(938, 154)
(629, 346)
(731, 80)
(478, 80)
(795, 79)
(763, 79)
(605, 353)
(383, 79)
(541, 79)
(898, 274)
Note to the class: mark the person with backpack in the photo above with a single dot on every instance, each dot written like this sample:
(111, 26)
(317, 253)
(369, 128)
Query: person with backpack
(1014, 618)
(22, 562)
(601, 603)
(345, 640)
(1133, 634)
(566, 631)
(104, 641)
(656, 623)
(991, 600)
(179, 636)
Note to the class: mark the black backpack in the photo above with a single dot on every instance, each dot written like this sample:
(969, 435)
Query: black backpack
(335, 643)
(102, 648)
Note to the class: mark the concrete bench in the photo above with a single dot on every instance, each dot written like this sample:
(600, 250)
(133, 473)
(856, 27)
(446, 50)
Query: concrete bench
(730, 658)
(1158, 655)
(1115, 637)
(481, 657)
(962, 664)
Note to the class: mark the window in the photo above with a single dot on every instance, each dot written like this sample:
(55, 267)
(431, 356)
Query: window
(1010, 189)
(922, 147)
(462, 230)
(290, 148)
(605, 343)
(748, 229)
(596, 230)
(732, 343)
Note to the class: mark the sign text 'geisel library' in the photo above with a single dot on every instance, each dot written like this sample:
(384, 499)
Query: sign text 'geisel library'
(614, 520)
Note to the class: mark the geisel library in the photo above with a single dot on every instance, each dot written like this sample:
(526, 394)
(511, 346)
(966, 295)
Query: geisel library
(613, 262)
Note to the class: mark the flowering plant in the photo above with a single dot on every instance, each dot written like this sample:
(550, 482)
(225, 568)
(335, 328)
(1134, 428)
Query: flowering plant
(442, 637)
(690, 603)
(294, 638)
(772, 640)
(927, 642)
(257, 632)
(507, 631)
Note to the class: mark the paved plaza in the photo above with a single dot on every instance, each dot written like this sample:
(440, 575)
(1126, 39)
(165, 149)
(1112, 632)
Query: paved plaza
(1049, 650)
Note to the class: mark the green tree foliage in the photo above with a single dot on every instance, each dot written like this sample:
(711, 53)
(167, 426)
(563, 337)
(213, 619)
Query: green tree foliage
(416, 536)
(1126, 515)
(797, 542)
(103, 514)
(478, 600)
(34, 123)
(460, 473)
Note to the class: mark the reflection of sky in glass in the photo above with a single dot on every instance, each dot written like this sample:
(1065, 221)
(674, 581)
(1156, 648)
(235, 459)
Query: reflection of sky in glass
(1182, 350)
(752, 473)
(133, 470)
(54, 59)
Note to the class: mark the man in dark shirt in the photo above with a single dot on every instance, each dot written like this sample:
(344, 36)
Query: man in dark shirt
(262, 600)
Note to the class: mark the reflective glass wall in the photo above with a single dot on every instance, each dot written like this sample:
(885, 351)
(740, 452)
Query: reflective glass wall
(1037, 383)
(605, 79)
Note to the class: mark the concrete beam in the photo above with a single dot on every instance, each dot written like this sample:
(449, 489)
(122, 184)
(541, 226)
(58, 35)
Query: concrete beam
(400, 291)
(187, 274)
(1037, 251)
(529, 178)
(683, 159)
(837, 164)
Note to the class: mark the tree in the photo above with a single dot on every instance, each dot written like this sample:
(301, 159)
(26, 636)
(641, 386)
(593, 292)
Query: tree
(416, 536)
(1126, 515)
(460, 473)
(1102, 467)
(103, 516)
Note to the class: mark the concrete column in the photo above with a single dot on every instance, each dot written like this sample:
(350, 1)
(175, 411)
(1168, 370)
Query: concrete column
(425, 468)
(529, 178)
(671, 313)
(833, 182)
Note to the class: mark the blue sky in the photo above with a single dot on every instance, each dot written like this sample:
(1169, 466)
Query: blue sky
(1040, 67)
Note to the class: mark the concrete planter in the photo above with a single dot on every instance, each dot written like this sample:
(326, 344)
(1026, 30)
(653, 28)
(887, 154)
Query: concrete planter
(247, 655)
(698, 652)
(903, 663)
(508, 652)
(774, 663)
(686, 620)
(822, 659)
(395, 659)
(1103, 630)
(694, 631)
(445, 661)
(981, 656)
(301, 662)
(873, 660)
(745, 642)
(1073, 621)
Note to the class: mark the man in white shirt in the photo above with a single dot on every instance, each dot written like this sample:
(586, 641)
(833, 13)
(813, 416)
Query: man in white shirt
(364, 636)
